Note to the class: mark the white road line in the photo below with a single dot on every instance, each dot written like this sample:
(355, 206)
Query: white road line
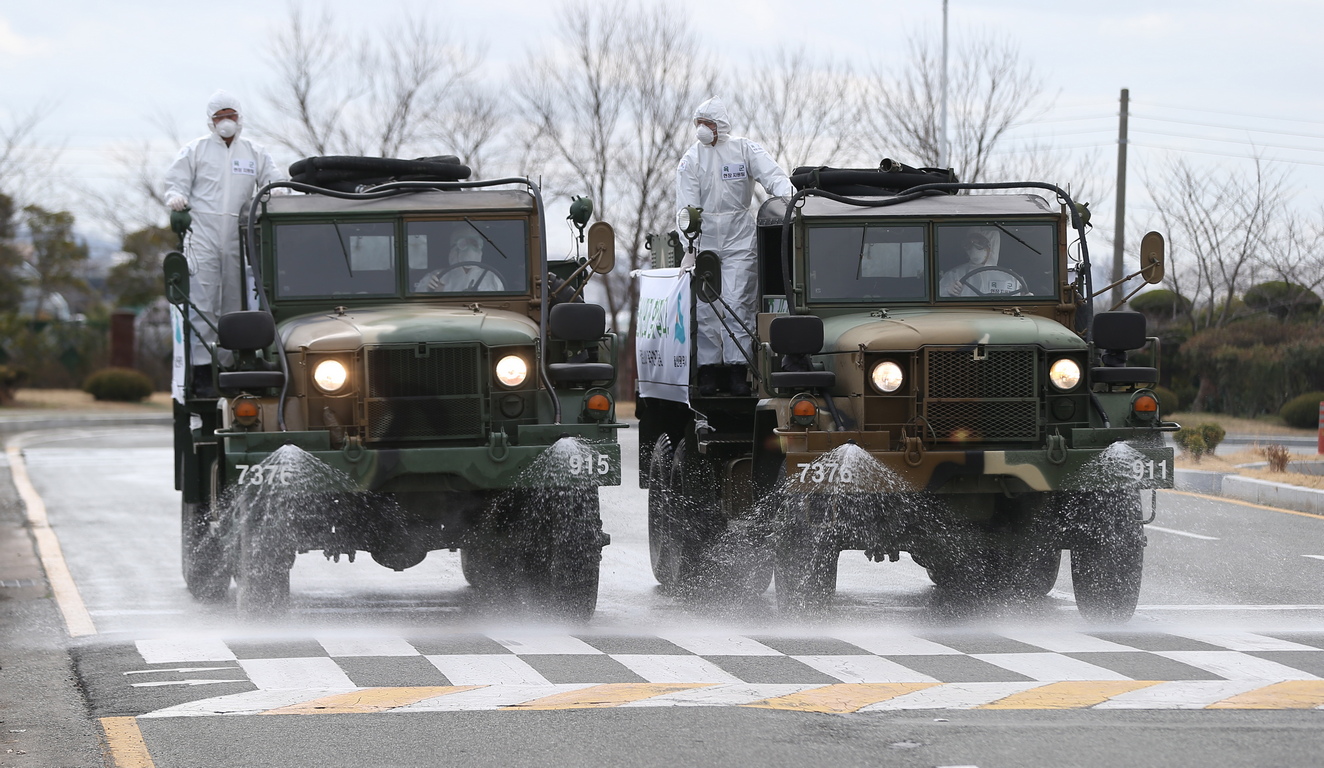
(487, 669)
(490, 697)
(530, 645)
(721, 695)
(1049, 667)
(864, 669)
(1182, 694)
(183, 649)
(314, 672)
(1065, 642)
(1242, 641)
(1176, 532)
(177, 669)
(195, 681)
(952, 696)
(247, 703)
(1284, 607)
(717, 645)
(1316, 557)
(664, 668)
(77, 620)
(1234, 665)
(367, 646)
(896, 645)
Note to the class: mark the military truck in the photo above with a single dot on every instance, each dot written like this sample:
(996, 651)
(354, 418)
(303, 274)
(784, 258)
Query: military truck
(998, 412)
(406, 331)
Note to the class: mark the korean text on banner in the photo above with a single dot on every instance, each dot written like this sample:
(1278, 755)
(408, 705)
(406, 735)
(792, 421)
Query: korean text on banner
(662, 334)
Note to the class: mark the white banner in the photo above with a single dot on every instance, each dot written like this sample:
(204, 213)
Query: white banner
(177, 358)
(662, 334)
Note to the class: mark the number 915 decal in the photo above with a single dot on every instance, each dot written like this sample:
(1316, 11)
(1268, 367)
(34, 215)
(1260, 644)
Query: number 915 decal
(593, 464)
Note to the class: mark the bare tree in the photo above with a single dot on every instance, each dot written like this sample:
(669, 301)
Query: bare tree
(1219, 224)
(802, 110)
(363, 93)
(1293, 252)
(26, 166)
(990, 89)
(609, 118)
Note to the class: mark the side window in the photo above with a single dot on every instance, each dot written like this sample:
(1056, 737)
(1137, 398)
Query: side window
(468, 256)
(335, 259)
(996, 260)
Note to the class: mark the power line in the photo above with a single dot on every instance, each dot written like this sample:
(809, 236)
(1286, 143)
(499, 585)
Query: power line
(1236, 114)
(1229, 141)
(1225, 154)
(1232, 127)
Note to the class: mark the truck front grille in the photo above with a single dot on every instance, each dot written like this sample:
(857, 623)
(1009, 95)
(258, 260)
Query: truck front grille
(419, 392)
(983, 394)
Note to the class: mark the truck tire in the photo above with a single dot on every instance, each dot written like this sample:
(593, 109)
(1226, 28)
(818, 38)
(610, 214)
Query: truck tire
(562, 565)
(1106, 566)
(262, 570)
(805, 567)
(684, 527)
(204, 557)
(662, 548)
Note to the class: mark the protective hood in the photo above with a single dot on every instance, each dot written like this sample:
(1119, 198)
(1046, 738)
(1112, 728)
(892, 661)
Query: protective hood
(992, 237)
(713, 109)
(223, 99)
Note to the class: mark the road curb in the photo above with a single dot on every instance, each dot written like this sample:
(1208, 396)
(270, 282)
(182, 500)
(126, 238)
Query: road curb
(11, 425)
(1264, 492)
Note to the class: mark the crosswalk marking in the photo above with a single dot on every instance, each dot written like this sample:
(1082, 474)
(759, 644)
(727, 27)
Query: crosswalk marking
(1291, 694)
(602, 696)
(1075, 694)
(315, 672)
(175, 650)
(1065, 642)
(1049, 666)
(717, 645)
(839, 699)
(730, 694)
(366, 701)
(663, 668)
(1180, 694)
(896, 645)
(247, 703)
(487, 669)
(1234, 665)
(490, 698)
(952, 696)
(864, 669)
(533, 645)
(1243, 641)
(367, 646)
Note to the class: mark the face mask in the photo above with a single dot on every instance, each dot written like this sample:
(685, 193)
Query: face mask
(977, 255)
(705, 135)
(462, 253)
(227, 129)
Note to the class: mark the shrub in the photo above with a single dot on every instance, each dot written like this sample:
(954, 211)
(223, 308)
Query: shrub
(1282, 300)
(1302, 411)
(1198, 440)
(1168, 400)
(1252, 367)
(119, 384)
(1161, 304)
(1277, 456)
(10, 379)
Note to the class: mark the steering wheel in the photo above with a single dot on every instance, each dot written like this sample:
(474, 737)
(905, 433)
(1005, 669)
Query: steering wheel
(1021, 285)
(431, 282)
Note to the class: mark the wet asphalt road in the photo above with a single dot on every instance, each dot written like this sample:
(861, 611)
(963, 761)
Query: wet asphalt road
(1238, 584)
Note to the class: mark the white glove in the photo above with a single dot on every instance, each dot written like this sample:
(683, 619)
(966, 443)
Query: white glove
(176, 201)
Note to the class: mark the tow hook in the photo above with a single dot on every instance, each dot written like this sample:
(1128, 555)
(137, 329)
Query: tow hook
(353, 449)
(1057, 449)
(498, 446)
(914, 451)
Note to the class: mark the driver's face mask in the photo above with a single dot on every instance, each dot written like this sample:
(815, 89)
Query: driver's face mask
(977, 250)
(466, 249)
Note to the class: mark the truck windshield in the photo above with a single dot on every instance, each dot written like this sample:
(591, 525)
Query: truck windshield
(867, 262)
(335, 259)
(467, 256)
(996, 260)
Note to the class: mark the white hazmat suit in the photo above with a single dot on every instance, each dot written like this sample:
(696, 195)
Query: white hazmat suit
(215, 180)
(719, 178)
(981, 250)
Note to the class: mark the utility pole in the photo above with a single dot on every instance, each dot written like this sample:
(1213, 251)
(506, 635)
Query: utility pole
(943, 150)
(1119, 228)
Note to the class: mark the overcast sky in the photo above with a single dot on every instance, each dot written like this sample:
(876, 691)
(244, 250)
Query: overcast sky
(1214, 78)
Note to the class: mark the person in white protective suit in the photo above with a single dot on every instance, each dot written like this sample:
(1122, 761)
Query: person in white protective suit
(981, 247)
(213, 176)
(718, 174)
(464, 271)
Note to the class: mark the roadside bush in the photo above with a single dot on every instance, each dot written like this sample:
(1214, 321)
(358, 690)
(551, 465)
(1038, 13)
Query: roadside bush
(1277, 456)
(11, 377)
(1168, 400)
(1302, 411)
(1198, 440)
(1252, 367)
(1161, 304)
(118, 384)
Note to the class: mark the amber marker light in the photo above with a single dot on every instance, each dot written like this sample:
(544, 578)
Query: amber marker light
(803, 411)
(246, 412)
(1145, 406)
(598, 406)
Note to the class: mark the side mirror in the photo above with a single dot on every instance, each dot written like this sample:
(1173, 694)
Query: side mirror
(176, 278)
(1151, 258)
(246, 331)
(576, 322)
(601, 247)
(796, 335)
(707, 276)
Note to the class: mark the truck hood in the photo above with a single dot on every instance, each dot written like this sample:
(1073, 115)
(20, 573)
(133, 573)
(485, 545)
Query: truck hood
(912, 329)
(397, 324)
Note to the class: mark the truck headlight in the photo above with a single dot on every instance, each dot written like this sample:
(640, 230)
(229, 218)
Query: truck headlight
(511, 370)
(1064, 373)
(330, 376)
(887, 377)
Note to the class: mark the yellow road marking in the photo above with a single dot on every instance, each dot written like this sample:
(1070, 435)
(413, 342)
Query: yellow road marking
(608, 695)
(76, 618)
(1248, 504)
(126, 744)
(1068, 694)
(1293, 694)
(368, 701)
(840, 698)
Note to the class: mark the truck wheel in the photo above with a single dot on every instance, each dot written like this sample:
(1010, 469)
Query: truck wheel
(262, 573)
(684, 526)
(562, 565)
(663, 549)
(204, 559)
(1106, 566)
(805, 567)
(476, 565)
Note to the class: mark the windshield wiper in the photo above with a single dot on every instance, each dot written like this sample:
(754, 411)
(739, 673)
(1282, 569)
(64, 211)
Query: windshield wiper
(1017, 239)
(485, 237)
(343, 249)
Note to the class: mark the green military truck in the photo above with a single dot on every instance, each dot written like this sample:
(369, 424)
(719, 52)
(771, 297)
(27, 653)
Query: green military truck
(404, 381)
(931, 380)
